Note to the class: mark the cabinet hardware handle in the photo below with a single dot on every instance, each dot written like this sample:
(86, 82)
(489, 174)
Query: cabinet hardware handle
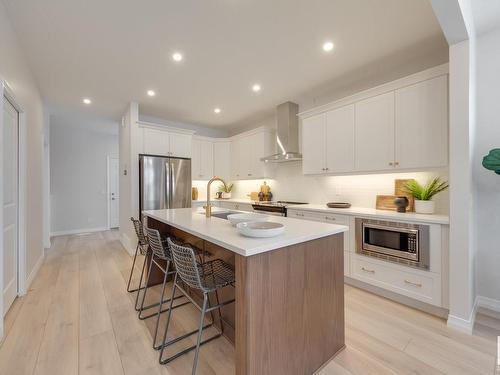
(249, 174)
(299, 214)
(327, 169)
(367, 270)
(391, 163)
(329, 218)
(418, 285)
(396, 163)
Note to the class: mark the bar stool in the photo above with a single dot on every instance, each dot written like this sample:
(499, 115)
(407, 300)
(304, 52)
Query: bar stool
(142, 247)
(208, 277)
(159, 252)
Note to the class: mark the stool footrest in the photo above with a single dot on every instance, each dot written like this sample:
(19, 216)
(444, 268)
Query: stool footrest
(185, 351)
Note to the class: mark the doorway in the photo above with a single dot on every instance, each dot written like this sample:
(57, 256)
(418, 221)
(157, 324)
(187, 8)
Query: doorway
(10, 207)
(113, 195)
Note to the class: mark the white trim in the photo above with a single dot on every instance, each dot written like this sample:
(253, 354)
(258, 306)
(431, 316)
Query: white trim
(488, 303)
(464, 325)
(170, 129)
(378, 90)
(77, 231)
(7, 92)
(260, 129)
(34, 272)
(126, 243)
(108, 192)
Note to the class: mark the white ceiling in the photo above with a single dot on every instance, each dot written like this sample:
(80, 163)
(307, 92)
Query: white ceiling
(113, 51)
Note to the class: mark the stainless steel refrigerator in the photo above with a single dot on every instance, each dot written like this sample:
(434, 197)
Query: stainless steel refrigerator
(164, 182)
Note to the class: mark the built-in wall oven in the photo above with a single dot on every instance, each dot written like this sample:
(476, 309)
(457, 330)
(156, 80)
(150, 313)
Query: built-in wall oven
(404, 243)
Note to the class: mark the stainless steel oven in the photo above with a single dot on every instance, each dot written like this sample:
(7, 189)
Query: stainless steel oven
(393, 241)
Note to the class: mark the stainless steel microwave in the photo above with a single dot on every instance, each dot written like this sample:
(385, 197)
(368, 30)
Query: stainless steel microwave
(393, 241)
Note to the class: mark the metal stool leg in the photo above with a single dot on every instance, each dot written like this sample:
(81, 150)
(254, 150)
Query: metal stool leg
(132, 271)
(161, 304)
(200, 331)
(140, 283)
(163, 346)
(141, 308)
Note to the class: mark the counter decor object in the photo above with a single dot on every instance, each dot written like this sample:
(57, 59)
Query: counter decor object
(423, 194)
(492, 161)
(235, 219)
(399, 190)
(338, 205)
(265, 193)
(401, 203)
(260, 229)
(386, 202)
(226, 191)
(194, 193)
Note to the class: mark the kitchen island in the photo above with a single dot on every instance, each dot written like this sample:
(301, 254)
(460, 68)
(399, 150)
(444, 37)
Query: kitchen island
(288, 317)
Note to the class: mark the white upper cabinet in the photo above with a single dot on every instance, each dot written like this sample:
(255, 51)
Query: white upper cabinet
(375, 133)
(159, 141)
(202, 159)
(340, 147)
(222, 159)
(422, 124)
(314, 144)
(246, 151)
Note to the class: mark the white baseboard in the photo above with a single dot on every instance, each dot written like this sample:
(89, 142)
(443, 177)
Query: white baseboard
(488, 303)
(127, 244)
(77, 231)
(464, 325)
(33, 273)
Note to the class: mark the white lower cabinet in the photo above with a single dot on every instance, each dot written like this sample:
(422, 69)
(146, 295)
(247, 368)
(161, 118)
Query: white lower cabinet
(421, 285)
(236, 206)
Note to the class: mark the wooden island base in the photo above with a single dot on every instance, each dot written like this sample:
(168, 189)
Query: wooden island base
(289, 315)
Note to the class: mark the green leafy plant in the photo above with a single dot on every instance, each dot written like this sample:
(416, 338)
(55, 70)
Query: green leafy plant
(226, 189)
(427, 191)
(492, 160)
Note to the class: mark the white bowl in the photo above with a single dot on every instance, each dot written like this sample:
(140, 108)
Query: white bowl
(241, 218)
(260, 228)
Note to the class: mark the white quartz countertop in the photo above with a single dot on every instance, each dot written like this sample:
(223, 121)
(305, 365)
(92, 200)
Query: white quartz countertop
(222, 233)
(372, 212)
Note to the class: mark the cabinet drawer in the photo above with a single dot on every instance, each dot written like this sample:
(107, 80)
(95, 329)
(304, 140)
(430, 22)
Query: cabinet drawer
(420, 285)
(236, 206)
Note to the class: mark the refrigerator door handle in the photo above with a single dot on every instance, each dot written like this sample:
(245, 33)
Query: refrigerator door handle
(168, 179)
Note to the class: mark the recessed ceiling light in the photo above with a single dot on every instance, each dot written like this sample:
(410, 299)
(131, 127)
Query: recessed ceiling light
(256, 87)
(327, 46)
(87, 101)
(217, 110)
(151, 93)
(177, 56)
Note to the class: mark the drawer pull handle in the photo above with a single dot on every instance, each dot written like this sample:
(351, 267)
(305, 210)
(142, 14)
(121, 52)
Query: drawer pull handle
(367, 270)
(329, 218)
(418, 285)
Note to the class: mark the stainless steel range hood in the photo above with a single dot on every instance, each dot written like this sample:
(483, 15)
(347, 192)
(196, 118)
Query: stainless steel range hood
(287, 134)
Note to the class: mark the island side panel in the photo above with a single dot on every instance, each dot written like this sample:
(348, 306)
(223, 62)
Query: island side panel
(290, 308)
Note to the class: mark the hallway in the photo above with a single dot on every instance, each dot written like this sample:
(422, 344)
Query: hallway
(78, 319)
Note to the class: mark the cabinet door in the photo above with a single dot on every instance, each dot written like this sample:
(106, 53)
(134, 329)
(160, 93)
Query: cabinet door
(236, 152)
(180, 145)
(375, 133)
(222, 160)
(422, 124)
(340, 140)
(156, 142)
(314, 144)
(207, 160)
(196, 159)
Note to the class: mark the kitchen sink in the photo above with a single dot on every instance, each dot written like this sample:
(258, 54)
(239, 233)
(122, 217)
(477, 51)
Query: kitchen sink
(222, 215)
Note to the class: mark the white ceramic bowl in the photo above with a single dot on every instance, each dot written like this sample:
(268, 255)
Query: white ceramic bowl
(240, 218)
(260, 229)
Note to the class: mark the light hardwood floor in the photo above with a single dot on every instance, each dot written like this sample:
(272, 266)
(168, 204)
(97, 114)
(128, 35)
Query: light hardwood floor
(78, 319)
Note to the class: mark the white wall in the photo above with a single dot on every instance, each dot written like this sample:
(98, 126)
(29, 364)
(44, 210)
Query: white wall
(78, 157)
(487, 183)
(14, 69)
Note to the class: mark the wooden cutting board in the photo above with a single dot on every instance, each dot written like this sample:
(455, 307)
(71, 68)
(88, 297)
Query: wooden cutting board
(399, 190)
(386, 202)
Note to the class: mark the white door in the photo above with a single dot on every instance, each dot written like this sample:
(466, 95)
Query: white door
(314, 144)
(114, 195)
(375, 133)
(10, 204)
(422, 124)
(340, 140)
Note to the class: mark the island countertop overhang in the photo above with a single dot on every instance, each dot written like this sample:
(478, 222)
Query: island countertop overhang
(221, 232)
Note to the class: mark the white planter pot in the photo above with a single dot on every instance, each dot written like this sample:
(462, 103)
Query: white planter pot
(226, 195)
(424, 207)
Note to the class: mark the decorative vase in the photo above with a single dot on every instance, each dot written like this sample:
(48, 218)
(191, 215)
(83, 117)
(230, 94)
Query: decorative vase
(424, 207)
(401, 203)
(226, 195)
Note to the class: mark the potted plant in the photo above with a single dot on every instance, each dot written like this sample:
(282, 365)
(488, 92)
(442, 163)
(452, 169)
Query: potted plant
(423, 194)
(492, 160)
(226, 190)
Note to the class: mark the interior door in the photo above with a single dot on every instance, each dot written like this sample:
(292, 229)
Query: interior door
(10, 204)
(179, 190)
(114, 196)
